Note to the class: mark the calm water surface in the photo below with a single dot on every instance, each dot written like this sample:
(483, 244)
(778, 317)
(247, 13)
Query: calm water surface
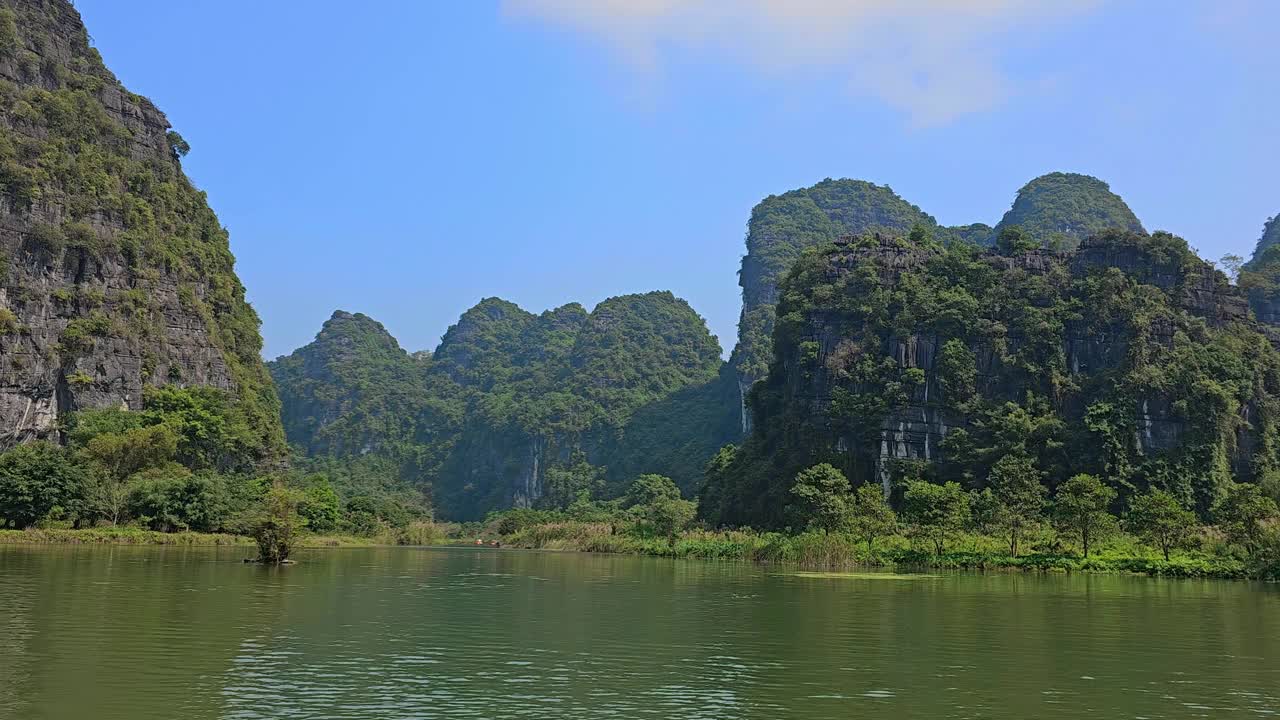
(117, 633)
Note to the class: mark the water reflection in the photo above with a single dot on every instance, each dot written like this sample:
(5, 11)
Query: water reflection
(414, 633)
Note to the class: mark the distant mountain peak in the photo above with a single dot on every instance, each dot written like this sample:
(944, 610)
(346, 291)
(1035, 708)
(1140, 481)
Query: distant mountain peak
(1061, 208)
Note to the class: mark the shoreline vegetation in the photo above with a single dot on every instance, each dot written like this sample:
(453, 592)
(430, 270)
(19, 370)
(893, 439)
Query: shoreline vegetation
(417, 534)
(811, 550)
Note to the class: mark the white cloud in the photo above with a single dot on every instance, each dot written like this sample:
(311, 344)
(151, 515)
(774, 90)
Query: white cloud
(931, 59)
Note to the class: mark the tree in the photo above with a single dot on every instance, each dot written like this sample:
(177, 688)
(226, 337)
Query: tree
(869, 515)
(277, 524)
(936, 511)
(1081, 509)
(1014, 241)
(213, 432)
(563, 484)
(1243, 515)
(1019, 496)
(34, 479)
(920, 235)
(668, 516)
(822, 497)
(649, 489)
(178, 146)
(154, 497)
(1232, 264)
(362, 515)
(172, 498)
(656, 502)
(957, 372)
(1158, 517)
(319, 505)
(118, 456)
(718, 484)
(984, 511)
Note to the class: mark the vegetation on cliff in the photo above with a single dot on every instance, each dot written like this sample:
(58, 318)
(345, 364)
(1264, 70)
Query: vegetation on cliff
(1270, 239)
(1131, 359)
(783, 226)
(1059, 210)
(1006, 374)
(363, 413)
(512, 407)
(107, 243)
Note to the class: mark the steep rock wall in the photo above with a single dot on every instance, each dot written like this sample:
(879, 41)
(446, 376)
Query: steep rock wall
(1130, 358)
(114, 273)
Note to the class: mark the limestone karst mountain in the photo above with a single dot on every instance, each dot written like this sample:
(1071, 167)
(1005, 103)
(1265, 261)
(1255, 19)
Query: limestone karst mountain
(115, 275)
(1128, 357)
(1063, 209)
(510, 398)
(1058, 209)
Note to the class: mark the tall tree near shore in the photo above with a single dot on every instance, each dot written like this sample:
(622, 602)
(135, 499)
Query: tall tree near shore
(822, 498)
(870, 516)
(1080, 509)
(937, 512)
(1015, 484)
(1159, 518)
(1243, 515)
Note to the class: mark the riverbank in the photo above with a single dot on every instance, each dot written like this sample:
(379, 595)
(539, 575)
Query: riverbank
(137, 536)
(843, 552)
(808, 550)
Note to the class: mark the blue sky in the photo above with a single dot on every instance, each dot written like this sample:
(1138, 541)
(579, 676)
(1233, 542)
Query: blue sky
(405, 159)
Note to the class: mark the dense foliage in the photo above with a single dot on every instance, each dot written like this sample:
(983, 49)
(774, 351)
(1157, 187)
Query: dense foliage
(940, 526)
(187, 461)
(1270, 238)
(512, 407)
(897, 361)
(783, 226)
(1059, 210)
(1056, 210)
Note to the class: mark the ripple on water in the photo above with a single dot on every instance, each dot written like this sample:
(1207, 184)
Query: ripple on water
(441, 634)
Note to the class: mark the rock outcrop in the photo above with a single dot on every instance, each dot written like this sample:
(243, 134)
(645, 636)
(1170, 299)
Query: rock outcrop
(784, 226)
(1128, 357)
(1058, 210)
(114, 273)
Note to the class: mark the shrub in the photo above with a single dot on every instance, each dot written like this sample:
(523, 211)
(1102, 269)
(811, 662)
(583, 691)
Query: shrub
(319, 506)
(36, 478)
(80, 379)
(171, 498)
(277, 525)
(8, 322)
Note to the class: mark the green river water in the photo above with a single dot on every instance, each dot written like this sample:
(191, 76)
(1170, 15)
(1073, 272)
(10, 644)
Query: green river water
(126, 633)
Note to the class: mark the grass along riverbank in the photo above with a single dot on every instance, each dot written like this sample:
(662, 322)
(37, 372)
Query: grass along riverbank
(837, 551)
(815, 550)
(417, 533)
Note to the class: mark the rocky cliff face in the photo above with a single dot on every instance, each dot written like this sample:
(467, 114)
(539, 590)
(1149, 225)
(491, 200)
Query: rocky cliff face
(1270, 239)
(917, 429)
(114, 273)
(1129, 357)
(784, 226)
(1058, 209)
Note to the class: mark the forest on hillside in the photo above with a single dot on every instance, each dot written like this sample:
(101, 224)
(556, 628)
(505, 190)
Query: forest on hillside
(977, 376)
